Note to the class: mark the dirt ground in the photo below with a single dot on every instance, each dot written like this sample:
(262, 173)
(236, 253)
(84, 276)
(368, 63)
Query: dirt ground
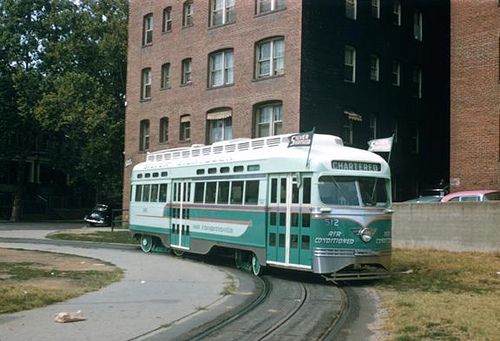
(48, 261)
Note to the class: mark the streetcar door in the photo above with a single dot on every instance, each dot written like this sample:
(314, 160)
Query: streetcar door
(181, 194)
(288, 227)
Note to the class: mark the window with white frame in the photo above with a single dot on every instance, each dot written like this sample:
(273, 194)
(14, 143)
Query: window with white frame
(167, 19)
(219, 125)
(188, 12)
(146, 80)
(266, 6)
(144, 136)
(221, 12)
(350, 64)
(417, 82)
(147, 30)
(396, 73)
(163, 136)
(376, 9)
(185, 128)
(186, 71)
(351, 120)
(165, 76)
(374, 68)
(268, 119)
(270, 57)
(396, 12)
(417, 24)
(221, 68)
(351, 9)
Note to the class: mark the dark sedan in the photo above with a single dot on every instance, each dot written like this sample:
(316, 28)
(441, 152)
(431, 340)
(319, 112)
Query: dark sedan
(100, 215)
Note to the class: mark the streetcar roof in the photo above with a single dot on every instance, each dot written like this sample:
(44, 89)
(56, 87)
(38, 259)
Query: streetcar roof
(268, 150)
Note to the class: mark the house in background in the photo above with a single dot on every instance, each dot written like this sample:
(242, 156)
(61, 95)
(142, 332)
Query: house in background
(209, 70)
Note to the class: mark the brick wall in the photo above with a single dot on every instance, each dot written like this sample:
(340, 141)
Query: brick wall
(197, 42)
(475, 94)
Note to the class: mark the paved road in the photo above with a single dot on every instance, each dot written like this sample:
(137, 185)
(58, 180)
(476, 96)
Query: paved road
(157, 291)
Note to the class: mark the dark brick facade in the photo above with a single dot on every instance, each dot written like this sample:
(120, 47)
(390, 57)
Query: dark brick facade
(475, 95)
(312, 89)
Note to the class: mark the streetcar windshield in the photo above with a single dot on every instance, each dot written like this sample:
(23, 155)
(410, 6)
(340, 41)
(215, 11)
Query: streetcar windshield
(350, 191)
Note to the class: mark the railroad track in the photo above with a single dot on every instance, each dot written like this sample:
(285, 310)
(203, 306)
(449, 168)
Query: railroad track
(289, 307)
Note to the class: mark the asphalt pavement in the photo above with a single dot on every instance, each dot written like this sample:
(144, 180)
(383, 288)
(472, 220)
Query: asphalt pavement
(158, 294)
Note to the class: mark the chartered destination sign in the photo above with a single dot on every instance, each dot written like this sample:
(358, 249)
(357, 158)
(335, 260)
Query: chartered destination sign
(356, 166)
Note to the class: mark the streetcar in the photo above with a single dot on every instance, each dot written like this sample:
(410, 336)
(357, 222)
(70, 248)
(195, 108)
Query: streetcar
(297, 201)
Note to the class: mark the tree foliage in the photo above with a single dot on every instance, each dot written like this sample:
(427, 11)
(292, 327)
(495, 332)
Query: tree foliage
(62, 72)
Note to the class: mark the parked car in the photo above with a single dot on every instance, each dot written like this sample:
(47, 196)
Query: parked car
(478, 195)
(100, 215)
(431, 194)
(429, 198)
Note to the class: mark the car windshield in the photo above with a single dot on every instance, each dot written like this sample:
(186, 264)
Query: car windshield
(492, 196)
(350, 191)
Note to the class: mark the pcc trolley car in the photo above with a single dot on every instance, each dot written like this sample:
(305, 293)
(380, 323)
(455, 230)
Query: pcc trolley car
(297, 201)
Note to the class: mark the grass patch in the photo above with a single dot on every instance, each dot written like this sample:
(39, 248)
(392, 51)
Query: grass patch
(230, 288)
(439, 295)
(49, 279)
(121, 237)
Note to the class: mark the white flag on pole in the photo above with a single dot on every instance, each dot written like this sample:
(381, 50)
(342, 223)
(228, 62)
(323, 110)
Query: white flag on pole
(380, 145)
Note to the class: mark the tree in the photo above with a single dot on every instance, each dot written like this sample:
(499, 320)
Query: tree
(62, 72)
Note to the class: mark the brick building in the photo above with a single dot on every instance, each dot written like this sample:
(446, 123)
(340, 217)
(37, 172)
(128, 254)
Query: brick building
(206, 70)
(475, 95)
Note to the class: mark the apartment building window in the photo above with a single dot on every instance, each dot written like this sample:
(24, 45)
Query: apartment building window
(396, 12)
(266, 6)
(185, 128)
(147, 30)
(144, 136)
(146, 80)
(417, 82)
(219, 125)
(270, 57)
(373, 126)
(268, 119)
(350, 64)
(221, 68)
(417, 25)
(188, 12)
(167, 19)
(163, 130)
(351, 9)
(186, 71)
(396, 73)
(415, 137)
(376, 9)
(350, 120)
(221, 12)
(165, 76)
(374, 68)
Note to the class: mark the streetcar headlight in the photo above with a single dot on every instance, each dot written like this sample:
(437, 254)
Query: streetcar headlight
(366, 235)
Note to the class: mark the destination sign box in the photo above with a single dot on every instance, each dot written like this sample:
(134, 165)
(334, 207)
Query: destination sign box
(356, 166)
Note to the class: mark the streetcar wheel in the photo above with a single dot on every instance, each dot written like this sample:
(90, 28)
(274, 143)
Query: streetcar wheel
(146, 243)
(178, 253)
(256, 266)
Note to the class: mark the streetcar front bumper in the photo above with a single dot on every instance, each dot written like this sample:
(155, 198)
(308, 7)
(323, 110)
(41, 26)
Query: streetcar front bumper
(327, 261)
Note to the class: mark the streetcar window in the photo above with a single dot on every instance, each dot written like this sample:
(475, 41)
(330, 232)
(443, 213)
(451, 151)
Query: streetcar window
(295, 193)
(212, 170)
(237, 192)
(252, 192)
(223, 196)
(155, 175)
(139, 176)
(282, 219)
(272, 219)
(224, 170)
(145, 193)
(200, 171)
(349, 191)
(238, 169)
(164, 174)
(283, 191)
(306, 191)
(147, 175)
(187, 191)
(198, 191)
(154, 193)
(253, 168)
(295, 219)
(272, 239)
(138, 193)
(210, 192)
(274, 191)
(305, 243)
(163, 193)
(306, 220)
(294, 241)
(282, 240)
